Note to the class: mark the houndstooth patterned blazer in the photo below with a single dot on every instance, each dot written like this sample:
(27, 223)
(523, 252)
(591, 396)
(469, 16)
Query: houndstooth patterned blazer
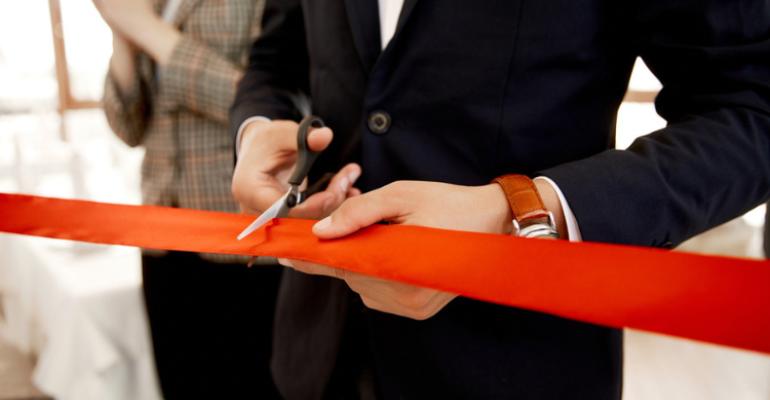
(181, 116)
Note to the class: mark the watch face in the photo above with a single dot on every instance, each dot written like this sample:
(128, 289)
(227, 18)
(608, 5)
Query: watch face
(550, 235)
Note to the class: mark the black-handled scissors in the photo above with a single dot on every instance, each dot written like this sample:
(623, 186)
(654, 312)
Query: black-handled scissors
(293, 196)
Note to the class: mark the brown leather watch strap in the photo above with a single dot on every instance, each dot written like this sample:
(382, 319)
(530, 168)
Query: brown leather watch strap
(523, 197)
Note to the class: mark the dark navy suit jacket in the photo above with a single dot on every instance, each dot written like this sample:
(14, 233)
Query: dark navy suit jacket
(479, 89)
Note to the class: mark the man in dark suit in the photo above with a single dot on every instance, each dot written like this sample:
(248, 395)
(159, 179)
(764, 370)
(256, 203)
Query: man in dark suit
(465, 92)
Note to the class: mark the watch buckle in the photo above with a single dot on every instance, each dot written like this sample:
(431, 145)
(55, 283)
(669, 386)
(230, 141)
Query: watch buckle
(538, 227)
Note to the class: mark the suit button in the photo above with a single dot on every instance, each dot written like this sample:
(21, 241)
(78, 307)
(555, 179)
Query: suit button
(379, 122)
(667, 245)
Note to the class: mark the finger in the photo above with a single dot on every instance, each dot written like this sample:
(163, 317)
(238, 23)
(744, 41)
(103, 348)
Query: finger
(285, 134)
(323, 203)
(312, 268)
(380, 306)
(318, 139)
(316, 206)
(353, 192)
(286, 262)
(260, 198)
(395, 310)
(388, 306)
(248, 210)
(406, 301)
(369, 286)
(361, 211)
(267, 139)
(344, 180)
(266, 156)
(267, 159)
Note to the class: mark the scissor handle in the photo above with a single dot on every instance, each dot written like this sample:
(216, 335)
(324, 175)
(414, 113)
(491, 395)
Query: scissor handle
(320, 185)
(305, 156)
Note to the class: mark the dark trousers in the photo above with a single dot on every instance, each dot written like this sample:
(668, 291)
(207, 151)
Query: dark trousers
(211, 326)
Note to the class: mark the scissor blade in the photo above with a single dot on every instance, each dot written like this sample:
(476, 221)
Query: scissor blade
(269, 214)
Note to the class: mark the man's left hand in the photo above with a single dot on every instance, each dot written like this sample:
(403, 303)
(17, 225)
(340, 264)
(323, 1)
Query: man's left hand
(436, 205)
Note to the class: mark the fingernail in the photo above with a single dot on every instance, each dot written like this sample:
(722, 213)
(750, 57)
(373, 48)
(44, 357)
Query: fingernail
(354, 175)
(344, 183)
(323, 224)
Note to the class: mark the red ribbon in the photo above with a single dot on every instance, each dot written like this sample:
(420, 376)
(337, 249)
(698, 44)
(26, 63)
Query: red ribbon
(714, 299)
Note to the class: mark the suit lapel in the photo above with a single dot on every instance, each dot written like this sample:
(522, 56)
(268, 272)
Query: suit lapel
(406, 11)
(403, 19)
(386, 58)
(364, 20)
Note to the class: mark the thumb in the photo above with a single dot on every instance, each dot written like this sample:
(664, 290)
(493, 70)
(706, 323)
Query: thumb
(318, 139)
(359, 212)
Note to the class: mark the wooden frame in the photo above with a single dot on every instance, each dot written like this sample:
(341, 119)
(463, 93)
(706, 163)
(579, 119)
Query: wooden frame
(66, 101)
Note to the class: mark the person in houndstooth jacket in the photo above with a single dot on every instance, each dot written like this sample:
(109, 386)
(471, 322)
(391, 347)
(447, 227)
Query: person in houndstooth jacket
(173, 76)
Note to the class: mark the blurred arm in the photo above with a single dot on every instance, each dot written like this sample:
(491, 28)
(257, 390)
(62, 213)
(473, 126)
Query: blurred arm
(125, 99)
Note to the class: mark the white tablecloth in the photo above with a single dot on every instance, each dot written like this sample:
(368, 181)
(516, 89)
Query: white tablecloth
(80, 308)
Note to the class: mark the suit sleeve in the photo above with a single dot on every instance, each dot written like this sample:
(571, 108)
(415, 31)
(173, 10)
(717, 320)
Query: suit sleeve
(127, 111)
(197, 78)
(712, 161)
(278, 67)
(200, 80)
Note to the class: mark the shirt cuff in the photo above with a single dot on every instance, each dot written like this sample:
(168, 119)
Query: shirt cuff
(240, 131)
(573, 231)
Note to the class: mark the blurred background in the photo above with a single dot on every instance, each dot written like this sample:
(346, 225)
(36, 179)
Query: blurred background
(72, 321)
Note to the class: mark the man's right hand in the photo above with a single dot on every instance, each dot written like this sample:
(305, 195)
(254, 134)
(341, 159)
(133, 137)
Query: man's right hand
(268, 155)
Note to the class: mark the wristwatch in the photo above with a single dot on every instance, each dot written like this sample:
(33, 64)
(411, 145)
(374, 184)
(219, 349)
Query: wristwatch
(530, 217)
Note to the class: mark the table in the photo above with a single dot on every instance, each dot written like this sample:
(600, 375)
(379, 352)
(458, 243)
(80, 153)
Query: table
(79, 307)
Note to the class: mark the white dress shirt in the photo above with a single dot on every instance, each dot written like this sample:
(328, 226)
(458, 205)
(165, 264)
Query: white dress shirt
(389, 13)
